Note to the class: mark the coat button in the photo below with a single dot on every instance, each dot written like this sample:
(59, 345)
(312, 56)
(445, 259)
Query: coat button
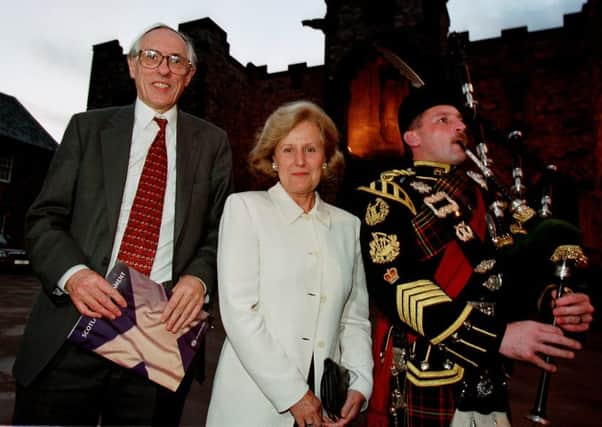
(323, 299)
(321, 344)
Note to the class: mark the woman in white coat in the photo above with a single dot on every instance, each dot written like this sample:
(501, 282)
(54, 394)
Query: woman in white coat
(292, 289)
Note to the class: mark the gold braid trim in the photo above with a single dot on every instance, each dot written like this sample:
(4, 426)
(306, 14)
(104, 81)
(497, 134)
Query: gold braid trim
(484, 332)
(476, 347)
(388, 189)
(434, 378)
(454, 326)
(459, 356)
(413, 297)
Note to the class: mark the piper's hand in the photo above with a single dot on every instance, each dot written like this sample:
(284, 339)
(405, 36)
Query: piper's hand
(185, 304)
(573, 312)
(93, 296)
(349, 411)
(307, 411)
(528, 340)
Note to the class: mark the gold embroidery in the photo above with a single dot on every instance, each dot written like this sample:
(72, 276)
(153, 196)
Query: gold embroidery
(387, 188)
(376, 212)
(384, 248)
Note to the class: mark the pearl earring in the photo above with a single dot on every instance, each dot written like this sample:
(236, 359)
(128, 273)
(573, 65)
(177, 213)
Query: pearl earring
(324, 165)
(274, 166)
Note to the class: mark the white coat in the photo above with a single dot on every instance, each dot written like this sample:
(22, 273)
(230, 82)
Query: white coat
(291, 285)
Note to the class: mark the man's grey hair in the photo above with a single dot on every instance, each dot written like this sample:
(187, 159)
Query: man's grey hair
(135, 49)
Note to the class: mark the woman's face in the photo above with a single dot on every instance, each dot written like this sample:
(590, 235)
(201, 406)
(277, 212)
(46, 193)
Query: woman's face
(299, 157)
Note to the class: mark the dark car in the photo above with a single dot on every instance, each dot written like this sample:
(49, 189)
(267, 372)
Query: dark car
(11, 257)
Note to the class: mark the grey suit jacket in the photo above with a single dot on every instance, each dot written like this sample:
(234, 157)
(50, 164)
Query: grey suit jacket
(74, 219)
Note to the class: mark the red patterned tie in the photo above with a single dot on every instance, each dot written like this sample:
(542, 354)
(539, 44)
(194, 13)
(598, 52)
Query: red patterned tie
(139, 243)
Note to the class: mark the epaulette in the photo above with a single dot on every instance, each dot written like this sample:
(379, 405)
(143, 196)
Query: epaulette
(388, 187)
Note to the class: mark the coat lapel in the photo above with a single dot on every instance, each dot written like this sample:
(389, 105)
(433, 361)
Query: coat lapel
(187, 153)
(115, 141)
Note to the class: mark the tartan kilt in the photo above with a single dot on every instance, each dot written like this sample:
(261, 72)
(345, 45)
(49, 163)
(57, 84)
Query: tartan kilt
(429, 406)
(426, 406)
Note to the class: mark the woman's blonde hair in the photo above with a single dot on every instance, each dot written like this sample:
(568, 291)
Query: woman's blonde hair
(278, 125)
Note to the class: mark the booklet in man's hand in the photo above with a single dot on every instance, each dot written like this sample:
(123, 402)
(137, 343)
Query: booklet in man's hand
(137, 339)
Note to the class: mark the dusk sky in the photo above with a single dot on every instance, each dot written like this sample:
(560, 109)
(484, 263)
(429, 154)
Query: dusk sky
(46, 47)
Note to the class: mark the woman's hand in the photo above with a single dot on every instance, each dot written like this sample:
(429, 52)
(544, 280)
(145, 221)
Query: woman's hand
(307, 411)
(350, 409)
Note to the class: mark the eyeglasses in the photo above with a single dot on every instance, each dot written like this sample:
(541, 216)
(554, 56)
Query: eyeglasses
(150, 58)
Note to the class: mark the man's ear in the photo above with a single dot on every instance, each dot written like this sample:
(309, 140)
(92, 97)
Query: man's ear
(189, 76)
(411, 138)
(132, 66)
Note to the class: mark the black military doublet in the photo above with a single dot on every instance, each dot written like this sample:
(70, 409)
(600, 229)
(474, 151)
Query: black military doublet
(430, 270)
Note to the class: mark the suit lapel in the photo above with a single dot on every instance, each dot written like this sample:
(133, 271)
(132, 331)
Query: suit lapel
(187, 153)
(115, 141)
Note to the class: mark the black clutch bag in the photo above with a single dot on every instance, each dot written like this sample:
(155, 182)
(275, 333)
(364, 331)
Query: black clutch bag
(333, 388)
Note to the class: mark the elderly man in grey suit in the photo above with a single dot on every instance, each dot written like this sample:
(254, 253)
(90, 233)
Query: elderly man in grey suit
(80, 224)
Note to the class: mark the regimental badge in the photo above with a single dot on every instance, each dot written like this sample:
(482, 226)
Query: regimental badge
(494, 282)
(464, 232)
(421, 187)
(441, 204)
(478, 178)
(384, 248)
(485, 266)
(391, 275)
(376, 212)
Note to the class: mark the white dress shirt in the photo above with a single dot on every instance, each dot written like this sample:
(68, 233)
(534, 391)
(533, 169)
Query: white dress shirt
(143, 135)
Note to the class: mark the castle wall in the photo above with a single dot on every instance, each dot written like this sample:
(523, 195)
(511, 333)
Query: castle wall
(546, 83)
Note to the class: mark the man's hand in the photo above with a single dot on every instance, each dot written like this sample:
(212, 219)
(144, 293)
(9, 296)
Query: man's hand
(350, 410)
(307, 411)
(93, 296)
(185, 304)
(573, 312)
(527, 340)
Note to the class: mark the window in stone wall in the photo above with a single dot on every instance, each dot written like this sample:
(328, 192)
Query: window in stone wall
(6, 168)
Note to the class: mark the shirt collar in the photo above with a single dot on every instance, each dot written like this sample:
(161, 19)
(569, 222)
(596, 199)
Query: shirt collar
(145, 115)
(291, 211)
